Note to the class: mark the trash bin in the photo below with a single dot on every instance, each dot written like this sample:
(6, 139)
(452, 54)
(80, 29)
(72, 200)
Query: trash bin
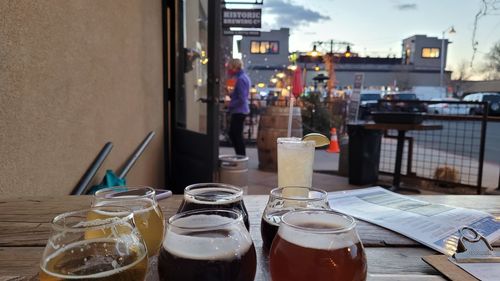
(364, 154)
(233, 169)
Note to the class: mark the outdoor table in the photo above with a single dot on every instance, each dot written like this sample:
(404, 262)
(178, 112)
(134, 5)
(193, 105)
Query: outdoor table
(25, 226)
(402, 129)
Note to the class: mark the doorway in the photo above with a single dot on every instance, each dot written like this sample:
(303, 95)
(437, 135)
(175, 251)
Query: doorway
(192, 33)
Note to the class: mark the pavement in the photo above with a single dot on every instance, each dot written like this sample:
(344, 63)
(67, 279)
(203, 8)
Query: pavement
(261, 182)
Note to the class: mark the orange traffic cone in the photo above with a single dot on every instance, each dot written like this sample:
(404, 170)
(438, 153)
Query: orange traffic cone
(334, 144)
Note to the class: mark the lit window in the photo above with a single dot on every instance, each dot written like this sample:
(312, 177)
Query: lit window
(273, 47)
(255, 47)
(430, 53)
(264, 47)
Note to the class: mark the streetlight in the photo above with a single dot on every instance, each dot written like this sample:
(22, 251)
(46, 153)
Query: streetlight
(450, 30)
(314, 52)
(280, 75)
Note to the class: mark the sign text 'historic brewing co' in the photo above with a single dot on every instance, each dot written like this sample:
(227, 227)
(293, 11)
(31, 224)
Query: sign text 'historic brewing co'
(250, 18)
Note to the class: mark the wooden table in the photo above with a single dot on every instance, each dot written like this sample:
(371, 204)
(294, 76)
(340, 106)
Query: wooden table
(402, 129)
(24, 229)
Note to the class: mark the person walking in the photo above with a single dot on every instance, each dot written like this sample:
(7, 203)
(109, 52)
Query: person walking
(238, 106)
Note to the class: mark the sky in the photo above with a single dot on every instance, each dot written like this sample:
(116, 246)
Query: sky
(377, 27)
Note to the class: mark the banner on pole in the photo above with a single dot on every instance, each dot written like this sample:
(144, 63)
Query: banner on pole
(354, 99)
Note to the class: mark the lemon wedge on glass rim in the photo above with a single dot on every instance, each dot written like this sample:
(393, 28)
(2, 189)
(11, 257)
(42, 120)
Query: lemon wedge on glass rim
(319, 139)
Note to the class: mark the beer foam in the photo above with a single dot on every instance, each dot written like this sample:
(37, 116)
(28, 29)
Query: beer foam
(78, 245)
(198, 244)
(228, 192)
(323, 238)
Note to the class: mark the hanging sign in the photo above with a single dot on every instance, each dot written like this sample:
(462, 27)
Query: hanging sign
(250, 18)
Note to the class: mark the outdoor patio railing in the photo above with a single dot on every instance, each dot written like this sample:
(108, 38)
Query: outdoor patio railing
(446, 158)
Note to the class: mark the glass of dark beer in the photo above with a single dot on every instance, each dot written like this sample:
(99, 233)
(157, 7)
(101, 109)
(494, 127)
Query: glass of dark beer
(207, 244)
(101, 243)
(214, 196)
(326, 242)
(283, 200)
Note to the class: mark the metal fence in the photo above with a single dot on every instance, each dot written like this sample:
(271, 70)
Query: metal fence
(451, 156)
(250, 125)
(448, 157)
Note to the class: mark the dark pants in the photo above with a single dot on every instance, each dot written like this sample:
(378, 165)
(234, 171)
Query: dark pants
(236, 132)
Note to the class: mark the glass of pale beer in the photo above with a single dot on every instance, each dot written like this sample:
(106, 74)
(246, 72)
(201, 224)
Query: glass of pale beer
(84, 247)
(147, 213)
(207, 244)
(317, 245)
(285, 199)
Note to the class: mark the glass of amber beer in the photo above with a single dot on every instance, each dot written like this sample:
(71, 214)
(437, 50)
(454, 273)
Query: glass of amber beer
(147, 213)
(326, 242)
(283, 200)
(83, 247)
(214, 196)
(207, 244)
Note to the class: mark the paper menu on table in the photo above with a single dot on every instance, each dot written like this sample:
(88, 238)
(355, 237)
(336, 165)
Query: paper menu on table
(433, 225)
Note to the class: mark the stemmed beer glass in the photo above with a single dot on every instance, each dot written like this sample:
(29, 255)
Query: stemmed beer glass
(214, 196)
(327, 244)
(85, 246)
(147, 213)
(207, 244)
(285, 199)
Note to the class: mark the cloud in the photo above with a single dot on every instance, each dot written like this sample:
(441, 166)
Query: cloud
(286, 14)
(406, 6)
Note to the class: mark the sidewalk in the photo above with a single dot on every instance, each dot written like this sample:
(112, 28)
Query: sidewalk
(261, 182)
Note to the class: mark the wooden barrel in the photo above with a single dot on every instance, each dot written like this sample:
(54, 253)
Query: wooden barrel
(272, 125)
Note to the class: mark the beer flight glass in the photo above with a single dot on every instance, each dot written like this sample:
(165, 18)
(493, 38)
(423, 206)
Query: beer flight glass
(147, 213)
(85, 246)
(327, 244)
(214, 196)
(207, 244)
(283, 200)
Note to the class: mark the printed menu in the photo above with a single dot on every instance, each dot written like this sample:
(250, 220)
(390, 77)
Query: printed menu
(434, 225)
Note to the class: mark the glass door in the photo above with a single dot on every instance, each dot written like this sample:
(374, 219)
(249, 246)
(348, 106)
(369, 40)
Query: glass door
(194, 101)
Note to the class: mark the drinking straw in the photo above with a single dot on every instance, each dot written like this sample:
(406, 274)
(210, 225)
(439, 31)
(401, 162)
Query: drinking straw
(289, 132)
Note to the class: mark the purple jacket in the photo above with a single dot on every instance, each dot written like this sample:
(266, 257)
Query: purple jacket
(239, 96)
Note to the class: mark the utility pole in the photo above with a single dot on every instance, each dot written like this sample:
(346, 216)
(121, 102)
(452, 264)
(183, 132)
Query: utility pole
(329, 59)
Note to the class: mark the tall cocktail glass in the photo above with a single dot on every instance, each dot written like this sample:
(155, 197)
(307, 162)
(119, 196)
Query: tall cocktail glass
(295, 162)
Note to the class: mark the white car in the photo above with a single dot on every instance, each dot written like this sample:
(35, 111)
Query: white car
(493, 100)
(448, 108)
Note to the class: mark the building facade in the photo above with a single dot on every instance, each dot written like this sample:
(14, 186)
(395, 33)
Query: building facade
(265, 55)
(419, 64)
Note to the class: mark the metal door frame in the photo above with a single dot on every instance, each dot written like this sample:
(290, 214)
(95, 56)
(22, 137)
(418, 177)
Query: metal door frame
(182, 144)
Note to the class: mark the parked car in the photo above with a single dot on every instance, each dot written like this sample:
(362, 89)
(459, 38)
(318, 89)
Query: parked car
(406, 103)
(448, 108)
(493, 100)
(368, 103)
